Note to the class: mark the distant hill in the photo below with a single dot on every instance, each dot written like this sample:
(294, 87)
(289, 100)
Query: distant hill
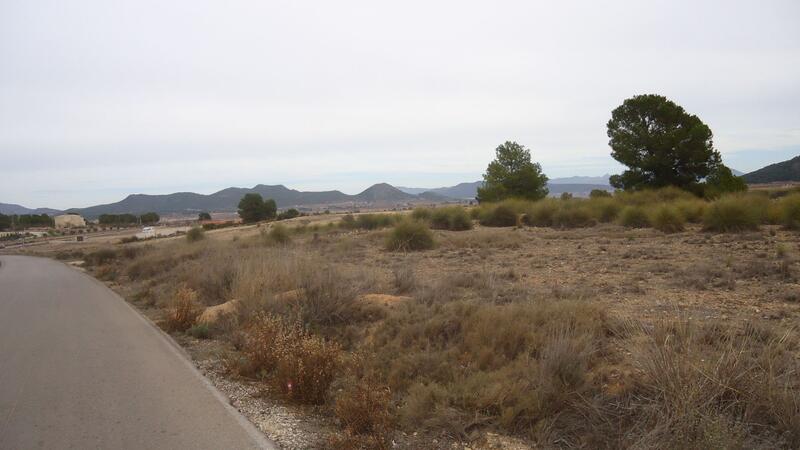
(10, 208)
(782, 171)
(603, 180)
(581, 188)
(228, 200)
(460, 191)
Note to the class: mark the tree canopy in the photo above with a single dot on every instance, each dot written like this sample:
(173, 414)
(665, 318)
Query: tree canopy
(661, 144)
(204, 216)
(512, 174)
(149, 218)
(253, 208)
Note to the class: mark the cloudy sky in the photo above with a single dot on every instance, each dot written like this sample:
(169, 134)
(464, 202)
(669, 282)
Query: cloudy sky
(99, 99)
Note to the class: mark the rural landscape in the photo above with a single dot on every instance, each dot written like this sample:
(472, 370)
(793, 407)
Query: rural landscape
(400, 226)
(659, 313)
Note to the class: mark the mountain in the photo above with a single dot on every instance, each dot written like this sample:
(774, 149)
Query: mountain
(782, 171)
(461, 191)
(10, 208)
(603, 180)
(228, 200)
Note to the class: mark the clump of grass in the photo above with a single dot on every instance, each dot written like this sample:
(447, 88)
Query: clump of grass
(410, 235)
(668, 219)
(453, 218)
(691, 209)
(375, 221)
(183, 310)
(573, 214)
(199, 331)
(404, 279)
(605, 208)
(421, 213)
(731, 214)
(790, 212)
(362, 408)
(634, 217)
(100, 257)
(301, 365)
(500, 215)
(277, 235)
(195, 234)
(541, 213)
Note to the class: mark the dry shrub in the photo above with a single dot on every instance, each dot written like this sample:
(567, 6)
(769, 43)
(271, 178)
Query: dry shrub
(732, 214)
(422, 214)
(195, 234)
(277, 235)
(362, 407)
(301, 365)
(634, 217)
(790, 212)
(183, 310)
(100, 257)
(541, 213)
(404, 279)
(668, 219)
(500, 215)
(605, 209)
(453, 218)
(573, 214)
(691, 209)
(409, 235)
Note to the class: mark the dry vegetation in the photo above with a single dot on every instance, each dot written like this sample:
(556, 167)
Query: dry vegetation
(616, 322)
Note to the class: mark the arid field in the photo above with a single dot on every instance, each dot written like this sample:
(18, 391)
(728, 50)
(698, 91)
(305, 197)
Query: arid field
(579, 324)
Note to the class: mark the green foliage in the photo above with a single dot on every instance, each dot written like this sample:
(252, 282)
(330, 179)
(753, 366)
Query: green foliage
(453, 218)
(199, 331)
(149, 218)
(541, 213)
(692, 210)
(731, 214)
(661, 144)
(195, 234)
(790, 212)
(421, 213)
(573, 214)
(605, 209)
(290, 213)
(599, 193)
(668, 219)
(512, 174)
(253, 208)
(721, 181)
(634, 217)
(5, 222)
(204, 216)
(117, 219)
(500, 215)
(409, 235)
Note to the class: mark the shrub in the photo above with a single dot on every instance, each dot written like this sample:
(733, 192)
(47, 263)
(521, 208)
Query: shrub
(195, 234)
(599, 193)
(404, 279)
(790, 212)
(731, 214)
(666, 218)
(301, 365)
(277, 235)
(375, 221)
(541, 213)
(362, 408)
(634, 217)
(421, 213)
(501, 215)
(453, 218)
(348, 221)
(573, 215)
(410, 235)
(691, 209)
(183, 310)
(199, 331)
(605, 208)
(100, 257)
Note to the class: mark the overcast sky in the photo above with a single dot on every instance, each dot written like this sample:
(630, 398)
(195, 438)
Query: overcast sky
(99, 99)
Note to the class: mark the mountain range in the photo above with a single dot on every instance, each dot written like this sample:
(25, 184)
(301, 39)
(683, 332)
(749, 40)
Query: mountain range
(783, 171)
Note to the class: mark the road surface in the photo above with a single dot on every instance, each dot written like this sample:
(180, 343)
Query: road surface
(79, 368)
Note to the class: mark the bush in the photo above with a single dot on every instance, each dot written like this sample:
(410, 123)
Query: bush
(790, 212)
(599, 193)
(100, 257)
(183, 310)
(731, 214)
(453, 218)
(501, 215)
(420, 213)
(691, 209)
(375, 221)
(410, 235)
(277, 235)
(634, 217)
(573, 215)
(199, 331)
(301, 365)
(362, 408)
(541, 213)
(605, 208)
(666, 218)
(195, 234)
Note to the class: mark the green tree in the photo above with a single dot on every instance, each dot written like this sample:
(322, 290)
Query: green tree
(661, 144)
(5, 222)
(512, 174)
(290, 213)
(253, 208)
(722, 180)
(149, 218)
(204, 216)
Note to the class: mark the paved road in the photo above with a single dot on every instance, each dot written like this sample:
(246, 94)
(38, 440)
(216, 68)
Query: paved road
(79, 368)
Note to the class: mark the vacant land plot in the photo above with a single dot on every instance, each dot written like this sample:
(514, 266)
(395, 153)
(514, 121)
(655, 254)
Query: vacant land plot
(602, 336)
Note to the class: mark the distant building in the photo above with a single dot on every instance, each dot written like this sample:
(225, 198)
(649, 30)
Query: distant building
(69, 221)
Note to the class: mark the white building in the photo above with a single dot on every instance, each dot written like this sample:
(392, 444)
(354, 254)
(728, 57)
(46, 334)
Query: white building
(69, 221)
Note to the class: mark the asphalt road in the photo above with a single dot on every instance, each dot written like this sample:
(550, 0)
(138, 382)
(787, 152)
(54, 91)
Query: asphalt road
(79, 368)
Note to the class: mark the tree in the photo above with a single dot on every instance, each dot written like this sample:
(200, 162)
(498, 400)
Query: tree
(722, 180)
(149, 218)
(661, 144)
(204, 216)
(5, 222)
(512, 174)
(290, 213)
(253, 208)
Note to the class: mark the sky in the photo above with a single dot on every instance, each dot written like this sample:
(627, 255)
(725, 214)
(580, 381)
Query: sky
(100, 99)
